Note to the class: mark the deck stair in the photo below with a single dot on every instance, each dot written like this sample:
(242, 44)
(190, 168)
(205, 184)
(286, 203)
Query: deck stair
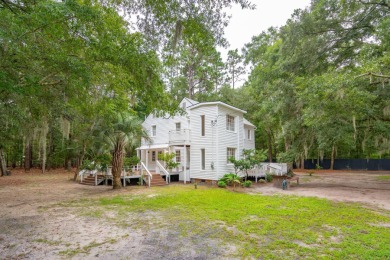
(90, 180)
(157, 180)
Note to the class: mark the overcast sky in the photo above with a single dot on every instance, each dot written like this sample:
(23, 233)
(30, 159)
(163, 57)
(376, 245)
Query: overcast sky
(246, 23)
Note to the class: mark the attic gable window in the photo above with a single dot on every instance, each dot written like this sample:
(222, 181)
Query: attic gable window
(178, 127)
(230, 123)
(154, 130)
(184, 105)
(249, 134)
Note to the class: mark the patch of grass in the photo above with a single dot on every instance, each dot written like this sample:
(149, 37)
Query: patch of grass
(384, 178)
(93, 213)
(270, 227)
(86, 249)
(48, 242)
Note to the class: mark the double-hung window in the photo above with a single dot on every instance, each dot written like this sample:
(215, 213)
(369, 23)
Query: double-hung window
(202, 123)
(154, 130)
(178, 127)
(178, 157)
(203, 158)
(231, 153)
(230, 126)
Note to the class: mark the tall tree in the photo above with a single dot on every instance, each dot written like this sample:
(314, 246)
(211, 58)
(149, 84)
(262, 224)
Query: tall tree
(123, 131)
(235, 67)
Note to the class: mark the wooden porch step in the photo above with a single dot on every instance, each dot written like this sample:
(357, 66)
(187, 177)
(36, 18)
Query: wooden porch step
(157, 180)
(90, 180)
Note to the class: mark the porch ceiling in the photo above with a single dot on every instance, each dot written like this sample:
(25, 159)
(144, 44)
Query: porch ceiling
(153, 146)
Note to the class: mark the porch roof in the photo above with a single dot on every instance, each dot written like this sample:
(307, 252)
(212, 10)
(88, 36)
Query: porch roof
(153, 146)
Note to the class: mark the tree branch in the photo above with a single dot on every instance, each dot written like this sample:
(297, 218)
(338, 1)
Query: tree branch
(374, 74)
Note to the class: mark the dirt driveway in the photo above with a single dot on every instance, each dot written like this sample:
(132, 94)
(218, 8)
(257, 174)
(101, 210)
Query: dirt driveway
(372, 189)
(34, 226)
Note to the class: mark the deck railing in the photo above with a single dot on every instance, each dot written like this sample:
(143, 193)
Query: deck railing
(87, 172)
(162, 168)
(150, 177)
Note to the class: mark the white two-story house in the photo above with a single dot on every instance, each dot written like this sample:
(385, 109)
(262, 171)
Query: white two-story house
(203, 138)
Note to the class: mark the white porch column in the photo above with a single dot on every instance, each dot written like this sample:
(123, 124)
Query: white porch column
(147, 158)
(185, 164)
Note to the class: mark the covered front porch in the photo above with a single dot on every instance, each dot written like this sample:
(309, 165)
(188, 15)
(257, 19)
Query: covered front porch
(149, 155)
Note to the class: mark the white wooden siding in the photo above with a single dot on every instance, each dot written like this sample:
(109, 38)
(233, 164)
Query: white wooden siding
(215, 142)
(206, 142)
(249, 143)
(229, 139)
(163, 126)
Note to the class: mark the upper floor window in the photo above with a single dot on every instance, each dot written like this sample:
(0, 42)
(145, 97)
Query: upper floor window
(203, 125)
(154, 130)
(231, 153)
(178, 157)
(203, 159)
(230, 123)
(178, 126)
(249, 134)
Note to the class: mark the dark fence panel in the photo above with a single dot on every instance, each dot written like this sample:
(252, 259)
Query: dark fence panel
(351, 164)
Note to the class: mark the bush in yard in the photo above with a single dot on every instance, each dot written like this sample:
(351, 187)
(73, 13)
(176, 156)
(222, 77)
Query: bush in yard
(268, 177)
(247, 183)
(226, 177)
(262, 181)
(231, 179)
(221, 184)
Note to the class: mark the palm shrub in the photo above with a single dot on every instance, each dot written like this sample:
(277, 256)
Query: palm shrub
(268, 177)
(119, 133)
(221, 184)
(231, 179)
(247, 183)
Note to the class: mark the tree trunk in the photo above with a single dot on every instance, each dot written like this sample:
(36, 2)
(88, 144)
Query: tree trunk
(286, 145)
(269, 146)
(233, 78)
(117, 165)
(332, 157)
(28, 154)
(302, 166)
(2, 163)
(80, 162)
(318, 159)
(68, 164)
(49, 160)
(190, 82)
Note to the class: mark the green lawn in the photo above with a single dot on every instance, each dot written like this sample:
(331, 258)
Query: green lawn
(384, 178)
(270, 227)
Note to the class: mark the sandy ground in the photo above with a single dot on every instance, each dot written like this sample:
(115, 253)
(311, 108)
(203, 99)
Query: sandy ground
(33, 225)
(364, 187)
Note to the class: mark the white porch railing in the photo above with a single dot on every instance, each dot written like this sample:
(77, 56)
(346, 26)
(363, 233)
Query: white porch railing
(150, 177)
(258, 171)
(162, 168)
(276, 169)
(179, 137)
(88, 172)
